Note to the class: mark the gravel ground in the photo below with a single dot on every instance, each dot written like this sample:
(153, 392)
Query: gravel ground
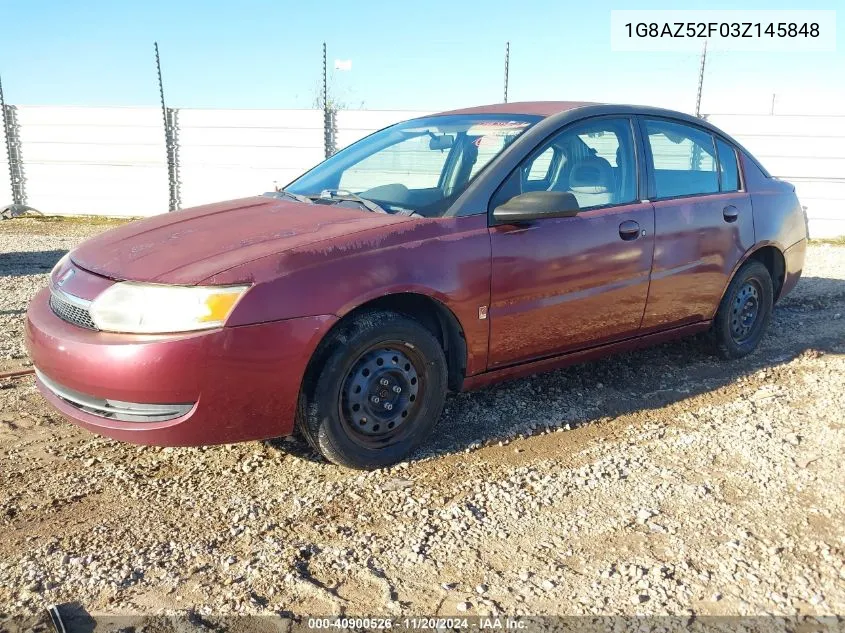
(656, 482)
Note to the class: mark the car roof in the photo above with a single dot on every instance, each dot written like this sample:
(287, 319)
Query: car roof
(560, 110)
(541, 108)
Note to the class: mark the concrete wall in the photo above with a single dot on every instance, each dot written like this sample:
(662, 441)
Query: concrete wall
(111, 161)
(808, 151)
(227, 154)
(100, 161)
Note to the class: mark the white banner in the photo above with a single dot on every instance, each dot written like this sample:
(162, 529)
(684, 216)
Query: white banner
(726, 30)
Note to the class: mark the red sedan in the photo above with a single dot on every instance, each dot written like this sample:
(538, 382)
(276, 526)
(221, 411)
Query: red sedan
(439, 254)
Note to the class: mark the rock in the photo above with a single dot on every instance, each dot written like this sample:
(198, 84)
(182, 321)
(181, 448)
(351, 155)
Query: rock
(644, 515)
(398, 483)
(463, 606)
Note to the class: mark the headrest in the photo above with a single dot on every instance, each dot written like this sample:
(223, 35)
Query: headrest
(591, 175)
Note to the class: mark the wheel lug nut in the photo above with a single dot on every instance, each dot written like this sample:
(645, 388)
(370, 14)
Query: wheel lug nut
(383, 382)
(375, 400)
(397, 389)
(388, 406)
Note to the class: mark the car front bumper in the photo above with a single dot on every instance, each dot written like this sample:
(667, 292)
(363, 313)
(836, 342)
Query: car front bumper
(211, 387)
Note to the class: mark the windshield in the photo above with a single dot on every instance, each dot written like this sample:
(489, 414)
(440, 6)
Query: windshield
(416, 167)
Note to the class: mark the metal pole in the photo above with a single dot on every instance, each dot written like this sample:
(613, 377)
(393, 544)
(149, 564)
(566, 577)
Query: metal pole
(170, 150)
(772, 111)
(700, 81)
(13, 151)
(327, 115)
(507, 66)
(7, 139)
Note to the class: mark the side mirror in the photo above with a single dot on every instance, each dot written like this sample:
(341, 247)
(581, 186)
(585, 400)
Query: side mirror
(536, 205)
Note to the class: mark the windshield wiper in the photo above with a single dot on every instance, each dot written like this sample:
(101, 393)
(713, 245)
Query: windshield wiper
(293, 196)
(343, 194)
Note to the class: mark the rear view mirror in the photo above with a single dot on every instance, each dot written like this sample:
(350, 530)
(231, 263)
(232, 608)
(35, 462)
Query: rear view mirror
(444, 141)
(536, 205)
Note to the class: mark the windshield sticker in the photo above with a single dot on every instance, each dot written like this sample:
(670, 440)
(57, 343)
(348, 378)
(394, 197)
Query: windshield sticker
(496, 128)
(489, 140)
(515, 124)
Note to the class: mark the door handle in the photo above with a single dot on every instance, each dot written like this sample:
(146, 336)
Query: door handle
(730, 213)
(629, 230)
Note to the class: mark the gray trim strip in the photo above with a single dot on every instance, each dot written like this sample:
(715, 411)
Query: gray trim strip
(73, 300)
(115, 409)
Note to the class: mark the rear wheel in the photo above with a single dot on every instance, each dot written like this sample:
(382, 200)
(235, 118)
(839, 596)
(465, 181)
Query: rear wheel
(374, 391)
(744, 312)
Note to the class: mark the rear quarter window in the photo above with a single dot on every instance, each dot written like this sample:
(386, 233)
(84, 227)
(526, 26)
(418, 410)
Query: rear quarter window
(728, 169)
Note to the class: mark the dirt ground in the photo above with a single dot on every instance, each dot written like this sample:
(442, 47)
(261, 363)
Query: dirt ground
(657, 482)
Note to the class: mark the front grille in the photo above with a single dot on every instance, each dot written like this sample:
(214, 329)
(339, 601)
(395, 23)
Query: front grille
(71, 312)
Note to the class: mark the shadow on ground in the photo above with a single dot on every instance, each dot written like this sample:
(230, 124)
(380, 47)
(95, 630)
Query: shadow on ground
(19, 264)
(632, 382)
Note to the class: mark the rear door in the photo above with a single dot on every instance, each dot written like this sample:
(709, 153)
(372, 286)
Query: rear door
(703, 221)
(561, 284)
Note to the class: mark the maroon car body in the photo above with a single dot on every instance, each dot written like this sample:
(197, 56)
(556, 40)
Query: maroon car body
(504, 299)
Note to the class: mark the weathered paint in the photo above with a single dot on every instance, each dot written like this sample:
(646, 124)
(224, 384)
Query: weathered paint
(556, 292)
(244, 380)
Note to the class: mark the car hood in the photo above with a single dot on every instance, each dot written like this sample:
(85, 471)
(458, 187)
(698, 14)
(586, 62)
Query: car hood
(186, 247)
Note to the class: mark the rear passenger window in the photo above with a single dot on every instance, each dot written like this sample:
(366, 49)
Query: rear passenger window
(727, 166)
(683, 159)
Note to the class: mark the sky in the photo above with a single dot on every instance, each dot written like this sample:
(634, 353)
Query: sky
(425, 55)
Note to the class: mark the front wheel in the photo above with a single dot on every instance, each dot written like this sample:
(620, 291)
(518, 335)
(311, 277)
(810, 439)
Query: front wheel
(373, 391)
(744, 312)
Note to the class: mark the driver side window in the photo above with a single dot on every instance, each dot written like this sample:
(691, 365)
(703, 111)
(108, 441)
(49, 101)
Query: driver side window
(594, 161)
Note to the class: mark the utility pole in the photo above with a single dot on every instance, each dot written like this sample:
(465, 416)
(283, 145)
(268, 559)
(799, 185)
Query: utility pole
(170, 145)
(772, 111)
(507, 67)
(700, 81)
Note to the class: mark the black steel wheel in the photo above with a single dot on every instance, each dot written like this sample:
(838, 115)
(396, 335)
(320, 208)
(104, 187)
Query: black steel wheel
(381, 396)
(374, 390)
(744, 313)
(745, 310)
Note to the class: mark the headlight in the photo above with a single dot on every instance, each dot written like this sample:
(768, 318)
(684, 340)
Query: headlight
(156, 309)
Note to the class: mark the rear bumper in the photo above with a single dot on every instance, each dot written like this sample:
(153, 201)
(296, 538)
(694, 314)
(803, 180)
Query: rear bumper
(232, 384)
(794, 264)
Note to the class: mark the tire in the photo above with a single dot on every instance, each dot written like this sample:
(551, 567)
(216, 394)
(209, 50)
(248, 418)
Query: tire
(744, 312)
(384, 356)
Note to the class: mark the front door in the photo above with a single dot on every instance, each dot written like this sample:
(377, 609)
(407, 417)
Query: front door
(562, 284)
(703, 222)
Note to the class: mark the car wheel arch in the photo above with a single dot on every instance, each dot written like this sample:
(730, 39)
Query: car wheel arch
(432, 313)
(770, 254)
